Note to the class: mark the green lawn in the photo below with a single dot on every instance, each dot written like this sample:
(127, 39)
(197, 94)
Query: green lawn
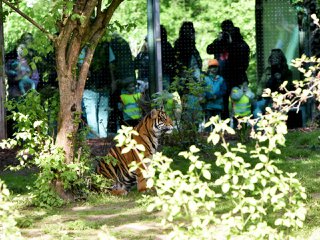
(127, 218)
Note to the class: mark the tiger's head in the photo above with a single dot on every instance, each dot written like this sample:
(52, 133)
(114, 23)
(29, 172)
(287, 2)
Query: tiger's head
(162, 122)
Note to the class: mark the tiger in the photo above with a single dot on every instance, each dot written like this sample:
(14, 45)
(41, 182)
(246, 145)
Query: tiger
(150, 129)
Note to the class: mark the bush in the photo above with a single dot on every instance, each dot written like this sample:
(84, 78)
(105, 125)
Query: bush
(264, 202)
(35, 118)
(8, 228)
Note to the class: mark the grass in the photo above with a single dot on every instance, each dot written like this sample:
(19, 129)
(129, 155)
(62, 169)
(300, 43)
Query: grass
(125, 218)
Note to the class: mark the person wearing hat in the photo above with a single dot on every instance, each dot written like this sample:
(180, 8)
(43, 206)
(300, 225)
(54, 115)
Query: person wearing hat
(216, 89)
(130, 98)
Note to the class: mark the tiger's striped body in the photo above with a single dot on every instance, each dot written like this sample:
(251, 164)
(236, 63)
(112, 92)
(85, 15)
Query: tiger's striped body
(150, 128)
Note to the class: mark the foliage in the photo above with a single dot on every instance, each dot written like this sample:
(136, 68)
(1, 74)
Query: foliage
(265, 201)
(32, 115)
(8, 229)
(186, 110)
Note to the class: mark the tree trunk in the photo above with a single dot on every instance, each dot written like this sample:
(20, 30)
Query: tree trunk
(73, 36)
(70, 111)
(71, 87)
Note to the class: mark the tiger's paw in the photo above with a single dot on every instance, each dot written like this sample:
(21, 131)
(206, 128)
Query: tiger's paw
(119, 192)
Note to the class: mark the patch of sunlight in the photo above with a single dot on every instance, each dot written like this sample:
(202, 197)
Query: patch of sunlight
(128, 212)
(138, 226)
(54, 218)
(82, 208)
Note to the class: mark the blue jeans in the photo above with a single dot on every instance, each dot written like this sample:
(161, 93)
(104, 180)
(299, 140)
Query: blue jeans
(96, 109)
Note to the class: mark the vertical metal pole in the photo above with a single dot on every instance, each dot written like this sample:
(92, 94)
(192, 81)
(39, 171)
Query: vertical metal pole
(3, 127)
(259, 38)
(154, 45)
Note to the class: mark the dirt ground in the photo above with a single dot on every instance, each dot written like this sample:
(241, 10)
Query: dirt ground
(7, 157)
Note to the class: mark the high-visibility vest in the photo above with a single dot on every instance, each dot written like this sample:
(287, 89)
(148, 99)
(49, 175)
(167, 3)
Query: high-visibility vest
(131, 108)
(241, 107)
(169, 107)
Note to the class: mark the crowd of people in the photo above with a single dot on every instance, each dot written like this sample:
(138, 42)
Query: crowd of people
(117, 82)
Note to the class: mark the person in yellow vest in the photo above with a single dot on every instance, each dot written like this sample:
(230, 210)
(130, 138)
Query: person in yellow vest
(130, 98)
(240, 102)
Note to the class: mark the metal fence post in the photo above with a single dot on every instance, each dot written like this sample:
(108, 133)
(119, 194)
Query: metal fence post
(3, 127)
(154, 46)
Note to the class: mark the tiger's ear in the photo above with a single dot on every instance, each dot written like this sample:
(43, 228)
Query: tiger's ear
(154, 114)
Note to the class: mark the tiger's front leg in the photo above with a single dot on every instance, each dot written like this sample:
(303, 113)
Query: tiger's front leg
(141, 181)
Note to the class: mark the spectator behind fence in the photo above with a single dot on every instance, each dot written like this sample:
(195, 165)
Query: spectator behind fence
(22, 76)
(240, 102)
(141, 62)
(123, 67)
(239, 56)
(220, 48)
(129, 105)
(96, 92)
(186, 54)
(21, 70)
(167, 53)
(274, 75)
(233, 55)
(216, 89)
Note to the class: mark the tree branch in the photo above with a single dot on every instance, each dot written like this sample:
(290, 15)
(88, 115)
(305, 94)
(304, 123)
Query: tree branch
(85, 10)
(101, 21)
(99, 6)
(33, 22)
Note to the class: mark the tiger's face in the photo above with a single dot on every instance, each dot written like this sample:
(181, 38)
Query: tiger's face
(163, 122)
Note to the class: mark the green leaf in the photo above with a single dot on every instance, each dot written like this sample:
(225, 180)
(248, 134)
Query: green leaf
(206, 174)
(235, 179)
(301, 213)
(37, 123)
(150, 183)
(140, 147)
(225, 187)
(278, 222)
(126, 150)
(198, 164)
(227, 167)
(194, 149)
(263, 158)
(214, 138)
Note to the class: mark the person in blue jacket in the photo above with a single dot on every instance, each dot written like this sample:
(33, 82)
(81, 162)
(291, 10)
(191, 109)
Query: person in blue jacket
(216, 89)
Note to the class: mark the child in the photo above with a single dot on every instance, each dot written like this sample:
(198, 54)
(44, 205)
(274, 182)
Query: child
(240, 101)
(130, 98)
(23, 70)
(216, 88)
